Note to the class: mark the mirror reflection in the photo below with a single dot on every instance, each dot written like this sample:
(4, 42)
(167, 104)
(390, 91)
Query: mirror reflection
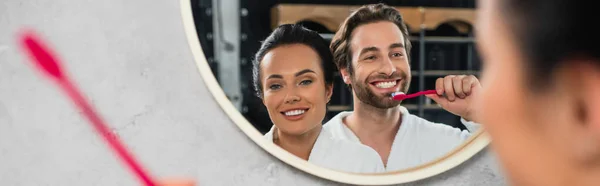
(319, 79)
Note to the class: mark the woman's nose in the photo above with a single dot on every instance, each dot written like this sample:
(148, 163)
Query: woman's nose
(292, 98)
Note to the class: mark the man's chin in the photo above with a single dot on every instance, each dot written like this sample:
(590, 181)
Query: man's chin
(387, 97)
(377, 99)
(385, 103)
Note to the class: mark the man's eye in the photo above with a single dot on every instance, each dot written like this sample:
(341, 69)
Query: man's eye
(371, 58)
(397, 54)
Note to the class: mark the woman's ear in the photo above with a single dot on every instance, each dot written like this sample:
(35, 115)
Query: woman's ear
(589, 82)
(584, 78)
(328, 91)
(580, 80)
(261, 96)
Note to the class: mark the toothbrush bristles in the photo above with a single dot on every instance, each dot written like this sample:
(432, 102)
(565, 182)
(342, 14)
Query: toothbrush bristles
(397, 93)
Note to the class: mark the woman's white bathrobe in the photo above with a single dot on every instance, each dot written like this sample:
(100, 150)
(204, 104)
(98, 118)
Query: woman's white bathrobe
(340, 155)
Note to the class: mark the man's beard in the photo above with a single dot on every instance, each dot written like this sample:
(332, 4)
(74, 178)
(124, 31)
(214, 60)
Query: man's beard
(367, 96)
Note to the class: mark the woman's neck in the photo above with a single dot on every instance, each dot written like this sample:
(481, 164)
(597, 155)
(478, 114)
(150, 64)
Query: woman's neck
(299, 145)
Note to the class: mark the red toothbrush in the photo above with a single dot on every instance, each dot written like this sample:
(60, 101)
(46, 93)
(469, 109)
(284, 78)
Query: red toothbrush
(399, 96)
(45, 61)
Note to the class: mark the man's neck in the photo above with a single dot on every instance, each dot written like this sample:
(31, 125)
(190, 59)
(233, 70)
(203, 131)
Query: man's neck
(370, 121)
(375, 127)
(299, 145)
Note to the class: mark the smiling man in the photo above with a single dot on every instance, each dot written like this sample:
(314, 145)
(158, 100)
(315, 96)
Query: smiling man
(371, 51)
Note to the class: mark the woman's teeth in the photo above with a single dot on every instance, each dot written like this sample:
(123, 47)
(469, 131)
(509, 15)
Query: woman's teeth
(294, 112)
(387, 84)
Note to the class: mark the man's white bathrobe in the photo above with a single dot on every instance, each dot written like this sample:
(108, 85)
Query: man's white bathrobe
(417, 141)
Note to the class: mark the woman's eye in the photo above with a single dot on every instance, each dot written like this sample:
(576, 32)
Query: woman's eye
(275, 87)
(306, 82)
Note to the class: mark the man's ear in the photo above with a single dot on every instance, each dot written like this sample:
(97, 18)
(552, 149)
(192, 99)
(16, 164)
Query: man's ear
(345, 75)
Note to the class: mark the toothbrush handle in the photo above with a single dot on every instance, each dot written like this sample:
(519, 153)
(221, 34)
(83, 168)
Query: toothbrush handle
(421, 93)
(426, 92)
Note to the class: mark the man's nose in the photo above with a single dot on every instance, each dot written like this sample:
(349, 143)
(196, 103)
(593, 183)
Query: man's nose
(387, 67)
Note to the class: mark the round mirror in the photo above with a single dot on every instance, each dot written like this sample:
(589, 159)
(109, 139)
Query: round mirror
(317, 89)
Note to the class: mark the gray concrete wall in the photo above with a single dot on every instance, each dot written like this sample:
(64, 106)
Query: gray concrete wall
(132, 60)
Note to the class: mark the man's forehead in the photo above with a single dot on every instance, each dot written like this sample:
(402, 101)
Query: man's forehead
(379, 34)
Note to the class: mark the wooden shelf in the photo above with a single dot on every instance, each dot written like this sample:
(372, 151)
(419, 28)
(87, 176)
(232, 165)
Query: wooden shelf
(415, 18)
(331, 16)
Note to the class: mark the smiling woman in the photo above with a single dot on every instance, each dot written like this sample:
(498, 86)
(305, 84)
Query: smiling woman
(293, 76)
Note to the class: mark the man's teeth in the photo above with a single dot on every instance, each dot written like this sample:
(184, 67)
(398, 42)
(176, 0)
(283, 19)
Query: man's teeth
(385, 84)
(294, 112)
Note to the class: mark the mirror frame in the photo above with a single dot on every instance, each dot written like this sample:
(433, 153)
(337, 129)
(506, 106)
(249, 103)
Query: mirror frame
(472, 146)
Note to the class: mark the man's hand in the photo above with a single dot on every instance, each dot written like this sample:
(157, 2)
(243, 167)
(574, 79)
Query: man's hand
(459, 91)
